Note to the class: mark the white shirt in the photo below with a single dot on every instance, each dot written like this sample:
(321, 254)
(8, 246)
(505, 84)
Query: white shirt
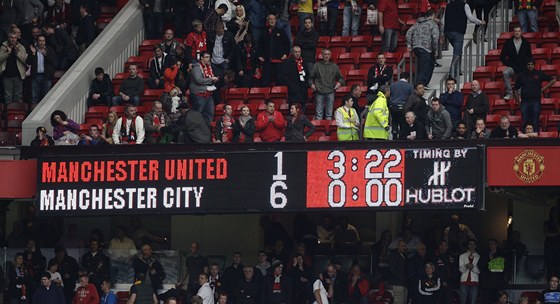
(205, 292)
(140, 132)
(318, 285)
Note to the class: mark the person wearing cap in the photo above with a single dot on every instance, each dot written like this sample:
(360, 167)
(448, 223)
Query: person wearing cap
(42, 139)
(191, 124)
(277, 288)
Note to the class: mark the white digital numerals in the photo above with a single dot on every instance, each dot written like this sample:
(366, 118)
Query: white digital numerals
(278, 200)
(384, 184)
(336, 179)
(375, 185)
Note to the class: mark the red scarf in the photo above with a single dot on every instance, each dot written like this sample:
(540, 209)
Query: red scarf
(158, 122)
(227, 132)
(131, 136)
(206, 70)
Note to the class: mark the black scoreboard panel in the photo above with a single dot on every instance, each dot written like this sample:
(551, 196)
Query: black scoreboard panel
(261, 181)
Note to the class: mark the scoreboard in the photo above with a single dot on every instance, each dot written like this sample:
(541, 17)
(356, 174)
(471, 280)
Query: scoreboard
(261, 181)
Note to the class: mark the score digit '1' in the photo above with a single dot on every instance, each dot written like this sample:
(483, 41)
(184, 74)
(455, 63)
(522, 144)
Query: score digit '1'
(278, 200)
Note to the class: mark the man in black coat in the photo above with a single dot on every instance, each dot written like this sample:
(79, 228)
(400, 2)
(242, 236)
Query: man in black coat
(68, 268)
(42, 60)
(158, 64)
(97, 264)
(86, 29)
(515, 53)
(190, 127)
(277, 288)
(378, 74)
(48, 292)
(274, 49)
(61, 42)
(101, 89)
(307, 39)
(412, 130)
(296, 78)
(221, 46)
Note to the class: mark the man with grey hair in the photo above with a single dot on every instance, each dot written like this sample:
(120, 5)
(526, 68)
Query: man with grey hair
(296, 77)
(412, 130)
(325, 79)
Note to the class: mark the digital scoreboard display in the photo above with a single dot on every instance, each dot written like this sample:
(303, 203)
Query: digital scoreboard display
(261, 181)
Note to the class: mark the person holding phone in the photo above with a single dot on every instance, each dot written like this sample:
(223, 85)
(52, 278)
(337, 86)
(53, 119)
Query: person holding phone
(12, 67)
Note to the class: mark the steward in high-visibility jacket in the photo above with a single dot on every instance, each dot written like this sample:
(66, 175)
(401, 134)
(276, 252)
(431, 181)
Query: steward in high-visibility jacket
(347, 121)
(377, 119)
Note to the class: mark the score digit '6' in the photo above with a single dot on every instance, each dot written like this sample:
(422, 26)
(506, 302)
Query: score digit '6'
(279, 181)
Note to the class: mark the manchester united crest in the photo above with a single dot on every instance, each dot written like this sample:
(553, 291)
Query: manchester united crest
(529, 166)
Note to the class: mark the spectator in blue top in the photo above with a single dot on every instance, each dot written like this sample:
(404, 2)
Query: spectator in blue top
(453, 101)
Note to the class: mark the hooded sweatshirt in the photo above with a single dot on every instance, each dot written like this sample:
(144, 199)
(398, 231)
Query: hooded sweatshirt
(423, 34)
(438, 123)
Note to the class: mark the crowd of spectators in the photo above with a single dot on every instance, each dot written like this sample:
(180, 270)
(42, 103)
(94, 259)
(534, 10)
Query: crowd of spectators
(39, 38)
(421, 268)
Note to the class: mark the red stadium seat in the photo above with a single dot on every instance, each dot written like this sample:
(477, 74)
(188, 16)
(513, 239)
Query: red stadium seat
(493, 58)
(494, 87)
(408, 10)
(393, 58)
(541, 55)
(550, 39)
(339, 41)
(552, 122)
(552, 134)
(368, 58)
(502, 107)
(323, 42)
(237, 93)
(259, 93)
(492, 121)
(554, 90)
(351, 58)
(515, 121)
(548, 106)
(279, 92)
(550, 69)
(14, 125)
(555, 56)
(358, 75)
(485, 73)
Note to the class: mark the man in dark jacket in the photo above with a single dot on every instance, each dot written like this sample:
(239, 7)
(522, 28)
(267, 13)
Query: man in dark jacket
(398, 277)
(96, 264)
(515, 53)
(477, 105)
(417, 104)
(42, 59)
(101, 89)
(296, 77)
(247, 290)
(307, 40)
(131, 89)
(221, 46)
(378, 74)
(274, 49)
(61, 42)
(158, 64)
(190, 127)
(68, 268)
(438, 123)
(277, 288)
(86, 29)
(453, 101)
(412, 130)
(530, 84)
(48, 293)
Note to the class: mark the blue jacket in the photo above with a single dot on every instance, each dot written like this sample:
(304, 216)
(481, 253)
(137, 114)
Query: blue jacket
(453, 103)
